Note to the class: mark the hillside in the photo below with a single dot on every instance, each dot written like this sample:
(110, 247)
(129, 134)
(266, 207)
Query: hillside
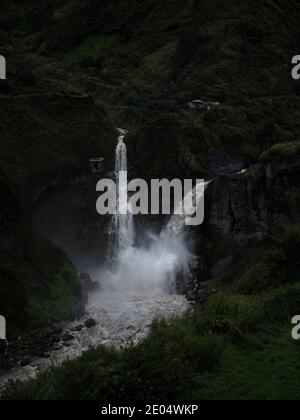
(46, 141)
(79, 68)
(149, 60)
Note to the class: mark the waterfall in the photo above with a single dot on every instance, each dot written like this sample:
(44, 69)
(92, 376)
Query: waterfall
(176, 224)
(121, 232)
(153, 267)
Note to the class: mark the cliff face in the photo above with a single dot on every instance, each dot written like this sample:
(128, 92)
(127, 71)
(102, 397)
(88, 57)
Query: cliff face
(264, 200)
(249, 213)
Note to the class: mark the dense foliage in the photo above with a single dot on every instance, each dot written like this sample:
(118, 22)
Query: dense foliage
(73, 62)
(238, 347)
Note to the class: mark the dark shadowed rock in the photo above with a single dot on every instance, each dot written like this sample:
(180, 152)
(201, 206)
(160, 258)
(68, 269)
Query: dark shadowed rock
(57, 330)
(57, 348)
(261, 202)
(191, 295)
(90, 323)
(67, 337)
(221, 266)
(87, 283)
(79, 327)
(25, 361)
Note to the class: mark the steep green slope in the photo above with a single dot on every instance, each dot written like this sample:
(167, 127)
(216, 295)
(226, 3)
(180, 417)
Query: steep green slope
(150, 58)
(46, 141)
(144, 60)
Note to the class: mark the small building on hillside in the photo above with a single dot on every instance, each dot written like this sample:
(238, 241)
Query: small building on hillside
(203, 105)
(197, 104)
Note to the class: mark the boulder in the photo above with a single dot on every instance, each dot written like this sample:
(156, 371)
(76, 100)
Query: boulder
(67, 337)
(79, 327)
(90, 323)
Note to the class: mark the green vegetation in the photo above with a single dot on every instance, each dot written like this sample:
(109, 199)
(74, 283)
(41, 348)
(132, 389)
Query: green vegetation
(37, 286)
(286, 149)
(222, 353)
(238, 347)
(94, 47)
(278, 266)
(59, 302)
(153, 58)
(144, 60)
(45, 140)
(13, 299)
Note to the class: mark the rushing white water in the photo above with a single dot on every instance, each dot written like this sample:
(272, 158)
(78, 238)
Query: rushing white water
(177, 222)
(121, 322)
(122, 229)
(138, 285)
(151, 269)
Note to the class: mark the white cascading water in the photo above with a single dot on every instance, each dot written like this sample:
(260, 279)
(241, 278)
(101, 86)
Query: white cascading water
(137, 286)
(152, 268)
(121, 233)
(177, 222)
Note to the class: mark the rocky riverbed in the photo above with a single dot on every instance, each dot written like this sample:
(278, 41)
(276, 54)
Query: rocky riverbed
(111, 320)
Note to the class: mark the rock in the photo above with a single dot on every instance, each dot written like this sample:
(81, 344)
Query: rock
(221, 266)
(263, 202)
(67, 337)
(131, 327)
(222, 165)
(3, 350)
(57, 330)
(25, 361)
(19, 356)
(202, 296)
(191, 295)
(57, 348)
(90, 323)
(87, 283)
(79, 327)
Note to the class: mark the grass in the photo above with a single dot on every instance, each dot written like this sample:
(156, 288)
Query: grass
(37, 283)
(94, 47)
(193, 357)
(238, 347)
(60, 301)
(285, 149)
(236, 54)
(267, 368)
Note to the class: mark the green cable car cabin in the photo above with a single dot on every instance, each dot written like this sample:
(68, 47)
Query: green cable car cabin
(96, 165)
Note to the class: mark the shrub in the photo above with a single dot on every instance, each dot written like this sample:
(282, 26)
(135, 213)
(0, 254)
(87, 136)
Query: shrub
(234, 315)
(282, 304)
(170, 357)
(278, 267)
(285, 149)
(268, 273)
(164, 366)
(292, 246)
